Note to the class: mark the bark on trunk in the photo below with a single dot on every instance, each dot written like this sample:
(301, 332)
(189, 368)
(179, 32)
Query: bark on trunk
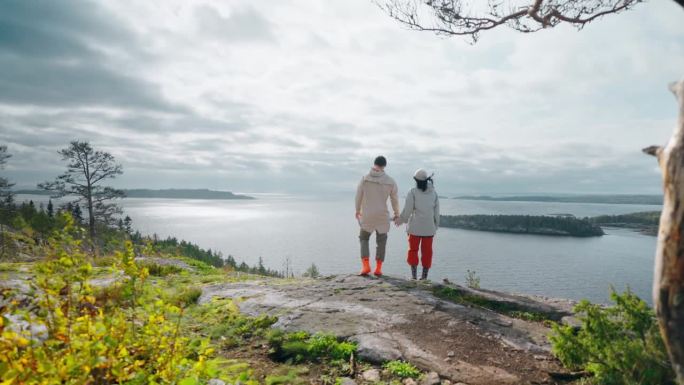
(91, 216)
(668, 280)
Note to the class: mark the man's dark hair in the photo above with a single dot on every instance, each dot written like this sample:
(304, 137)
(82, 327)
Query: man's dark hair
(380, 161)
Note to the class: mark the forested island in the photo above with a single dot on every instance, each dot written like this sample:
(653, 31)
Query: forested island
(524, 224)
(645, 222)
(629, 199)
(165, 193)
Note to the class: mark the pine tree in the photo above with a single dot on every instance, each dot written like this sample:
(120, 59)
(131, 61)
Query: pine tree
(77, 213)
(86, 170)
(128, 224)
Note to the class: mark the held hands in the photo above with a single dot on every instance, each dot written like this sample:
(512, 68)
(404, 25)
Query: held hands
(396, 219)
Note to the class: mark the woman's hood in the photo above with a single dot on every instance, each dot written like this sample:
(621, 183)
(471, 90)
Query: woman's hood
(430, 189)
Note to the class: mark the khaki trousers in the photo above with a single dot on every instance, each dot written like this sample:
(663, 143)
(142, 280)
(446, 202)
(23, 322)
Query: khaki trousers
(381, 244)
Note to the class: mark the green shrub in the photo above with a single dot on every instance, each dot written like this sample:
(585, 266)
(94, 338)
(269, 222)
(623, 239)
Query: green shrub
(159, 270)
(472, 280)
(221, 319)
(402, 369)
(187, 296)
(620, 344)
(104, 261)
(300, 346)
(528, 315)
(312, 271)
(326, 345)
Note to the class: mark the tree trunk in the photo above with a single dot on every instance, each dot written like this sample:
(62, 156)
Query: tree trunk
(91, 216)
(668, 279)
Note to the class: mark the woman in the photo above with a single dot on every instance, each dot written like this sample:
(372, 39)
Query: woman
(421, 212)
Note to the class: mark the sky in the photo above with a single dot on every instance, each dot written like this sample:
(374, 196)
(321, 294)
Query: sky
(294, 96)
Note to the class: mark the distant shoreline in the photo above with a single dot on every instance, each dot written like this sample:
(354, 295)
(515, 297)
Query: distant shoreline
(628, 199)
(166, 194)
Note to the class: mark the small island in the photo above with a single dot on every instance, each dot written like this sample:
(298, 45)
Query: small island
(524, 224)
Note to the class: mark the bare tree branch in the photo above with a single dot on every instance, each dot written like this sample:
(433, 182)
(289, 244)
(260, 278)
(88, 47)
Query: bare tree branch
(450, 18)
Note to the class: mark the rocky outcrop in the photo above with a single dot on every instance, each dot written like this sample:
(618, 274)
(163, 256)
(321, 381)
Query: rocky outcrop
(392, 318)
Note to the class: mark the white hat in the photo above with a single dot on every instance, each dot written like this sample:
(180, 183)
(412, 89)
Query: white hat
(420, 174)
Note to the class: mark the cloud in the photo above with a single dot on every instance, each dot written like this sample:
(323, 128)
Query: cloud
(57, 55)
(242, 24)
(299, 95)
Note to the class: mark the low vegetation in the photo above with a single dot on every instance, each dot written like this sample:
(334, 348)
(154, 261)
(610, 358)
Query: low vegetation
(77, 338)
(312, 271)
(402, 369)
(512, 310)
(146, 325)
(472, 280)
(301, 346)
(619, 344)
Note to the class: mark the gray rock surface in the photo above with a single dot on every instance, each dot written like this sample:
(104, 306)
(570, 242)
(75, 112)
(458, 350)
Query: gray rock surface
(392, 318)
(431, 378)
(347, 381)
(36, 332)
(371, 375)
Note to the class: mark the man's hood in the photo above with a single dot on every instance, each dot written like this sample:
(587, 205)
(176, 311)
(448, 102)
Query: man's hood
(378, 176)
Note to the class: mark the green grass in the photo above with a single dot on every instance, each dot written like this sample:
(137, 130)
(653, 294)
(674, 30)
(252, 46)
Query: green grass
(13, 266)
(402, 369)
(301, 346)
(159, 270)
(509, 309)
(221, 320)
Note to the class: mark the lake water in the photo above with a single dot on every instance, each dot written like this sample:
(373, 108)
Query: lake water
(323, 230)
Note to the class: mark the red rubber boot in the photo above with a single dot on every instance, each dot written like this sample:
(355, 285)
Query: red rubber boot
(378, 268)
(365, 269)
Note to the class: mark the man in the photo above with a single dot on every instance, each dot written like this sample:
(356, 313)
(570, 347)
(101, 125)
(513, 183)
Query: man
(372, 213)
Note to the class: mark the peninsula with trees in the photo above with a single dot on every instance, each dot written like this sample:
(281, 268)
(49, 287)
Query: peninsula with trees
(171, 193)
(645, 222)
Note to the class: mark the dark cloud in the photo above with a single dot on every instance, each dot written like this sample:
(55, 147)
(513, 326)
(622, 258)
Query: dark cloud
(58, 30)
(55, 54)
(80, 84)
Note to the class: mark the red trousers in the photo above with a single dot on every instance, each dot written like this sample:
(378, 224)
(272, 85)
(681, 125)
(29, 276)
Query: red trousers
(425, 245)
